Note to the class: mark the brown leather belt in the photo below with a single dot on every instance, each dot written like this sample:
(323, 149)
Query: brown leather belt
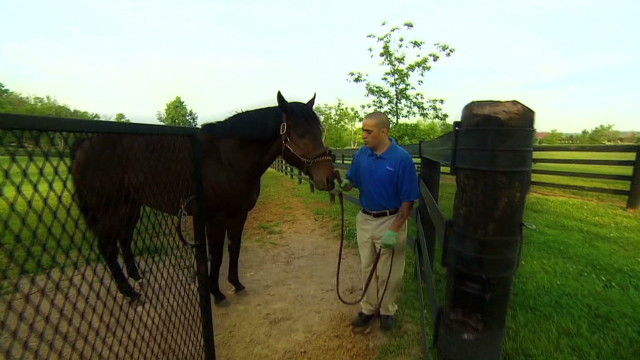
(377, 214)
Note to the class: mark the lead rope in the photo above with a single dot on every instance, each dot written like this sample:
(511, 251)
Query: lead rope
(182, 213)
(375, 262)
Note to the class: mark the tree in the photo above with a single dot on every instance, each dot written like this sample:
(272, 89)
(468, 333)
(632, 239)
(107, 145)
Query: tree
(120, 117)
(11, 102)
(340, 125)
(4, 98)
(553, 138)
(413, 133)
(631, 137)
(177, 114)
(397, 95)
(15, 103)
(604, 134)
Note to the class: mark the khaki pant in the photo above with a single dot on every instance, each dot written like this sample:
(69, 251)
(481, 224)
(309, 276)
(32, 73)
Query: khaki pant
(370, 231)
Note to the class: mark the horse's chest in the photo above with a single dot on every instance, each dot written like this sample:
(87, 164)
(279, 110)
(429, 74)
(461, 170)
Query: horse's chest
(235, 199)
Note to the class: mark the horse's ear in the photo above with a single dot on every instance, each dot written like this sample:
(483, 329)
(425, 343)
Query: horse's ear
(282, 103)
(312, 101)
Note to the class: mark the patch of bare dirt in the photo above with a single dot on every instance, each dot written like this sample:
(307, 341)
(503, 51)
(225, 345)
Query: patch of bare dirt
(290, 309)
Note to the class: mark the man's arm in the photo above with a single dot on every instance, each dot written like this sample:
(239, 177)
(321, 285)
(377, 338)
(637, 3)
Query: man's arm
(403, 214)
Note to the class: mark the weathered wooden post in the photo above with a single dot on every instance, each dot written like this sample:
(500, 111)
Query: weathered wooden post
(493, 156)
(633, 202)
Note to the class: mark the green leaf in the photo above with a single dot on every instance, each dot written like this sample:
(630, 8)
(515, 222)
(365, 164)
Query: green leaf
(403, 67)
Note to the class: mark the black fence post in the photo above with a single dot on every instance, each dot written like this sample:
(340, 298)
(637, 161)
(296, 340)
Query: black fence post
(493, 156)
(201, 254)
(633, 202)
(430, 175)
(299, 177)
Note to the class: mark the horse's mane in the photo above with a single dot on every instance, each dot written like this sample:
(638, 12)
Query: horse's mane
(258, 124)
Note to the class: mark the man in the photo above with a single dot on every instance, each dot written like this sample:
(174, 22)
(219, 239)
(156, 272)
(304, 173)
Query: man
(386, 177)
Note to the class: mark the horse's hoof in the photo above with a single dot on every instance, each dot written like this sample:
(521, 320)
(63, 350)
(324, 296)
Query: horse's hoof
(221, 302)
(128, 291)
(135, 298)
(140, 285)
(241, 292)
(239, 288)
(136, 301)
(218, 297)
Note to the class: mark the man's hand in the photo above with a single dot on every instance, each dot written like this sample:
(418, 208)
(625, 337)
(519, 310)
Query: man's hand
(344, 185)
(390, 239)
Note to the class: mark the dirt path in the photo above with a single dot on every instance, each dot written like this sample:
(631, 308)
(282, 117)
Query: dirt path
(290, 309)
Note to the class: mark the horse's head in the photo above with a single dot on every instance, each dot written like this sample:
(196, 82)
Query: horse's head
(302, 144)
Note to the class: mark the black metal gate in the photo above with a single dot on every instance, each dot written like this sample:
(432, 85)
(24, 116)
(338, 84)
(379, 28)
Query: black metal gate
(58, 299)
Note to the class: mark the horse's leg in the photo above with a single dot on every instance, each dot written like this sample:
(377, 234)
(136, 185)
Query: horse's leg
(125, 244)
(215, 238)
(108, 247)
(234, 228)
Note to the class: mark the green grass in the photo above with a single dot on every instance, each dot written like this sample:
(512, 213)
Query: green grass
(36, 205)
(577, 291)
(41, 228)
(271, 228)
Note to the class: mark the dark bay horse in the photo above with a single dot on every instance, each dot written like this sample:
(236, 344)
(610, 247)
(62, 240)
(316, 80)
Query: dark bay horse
(116, 174)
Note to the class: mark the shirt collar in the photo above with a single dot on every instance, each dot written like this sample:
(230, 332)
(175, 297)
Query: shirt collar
(386, 152)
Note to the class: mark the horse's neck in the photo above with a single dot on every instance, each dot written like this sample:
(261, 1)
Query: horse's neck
(247, 160)
(257, 157)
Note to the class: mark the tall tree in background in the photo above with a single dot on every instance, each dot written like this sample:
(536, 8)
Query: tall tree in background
(177, 114)
(412, 133)
(340, 125)
(4, 98)
(604, 134)
(555, 137)
(15, 103)
(397, 95)
(120, 117)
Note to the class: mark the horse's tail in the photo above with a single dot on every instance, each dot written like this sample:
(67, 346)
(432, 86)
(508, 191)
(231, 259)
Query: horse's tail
(75, 146)
(79, 195)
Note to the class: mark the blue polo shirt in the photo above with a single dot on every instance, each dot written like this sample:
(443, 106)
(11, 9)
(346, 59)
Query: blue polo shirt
(386, 180)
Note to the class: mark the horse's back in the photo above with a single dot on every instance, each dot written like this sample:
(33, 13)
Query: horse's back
(151, 170)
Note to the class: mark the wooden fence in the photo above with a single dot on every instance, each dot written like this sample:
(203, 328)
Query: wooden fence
(630, 166)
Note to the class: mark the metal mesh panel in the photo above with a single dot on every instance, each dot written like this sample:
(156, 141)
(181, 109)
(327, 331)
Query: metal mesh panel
(58, 298)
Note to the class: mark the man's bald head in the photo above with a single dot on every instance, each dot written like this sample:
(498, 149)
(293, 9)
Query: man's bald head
(375, 131)
(381, 119)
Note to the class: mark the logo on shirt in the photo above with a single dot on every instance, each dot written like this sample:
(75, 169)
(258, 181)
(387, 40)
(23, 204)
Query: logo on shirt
(390, 168)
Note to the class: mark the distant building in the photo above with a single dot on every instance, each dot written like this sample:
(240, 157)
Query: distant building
(542, 135)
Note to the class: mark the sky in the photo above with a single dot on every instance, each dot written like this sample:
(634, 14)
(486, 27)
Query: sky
(575, 63)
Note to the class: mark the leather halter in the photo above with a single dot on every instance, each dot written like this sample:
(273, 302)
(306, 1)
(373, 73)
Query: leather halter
(305, 162)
